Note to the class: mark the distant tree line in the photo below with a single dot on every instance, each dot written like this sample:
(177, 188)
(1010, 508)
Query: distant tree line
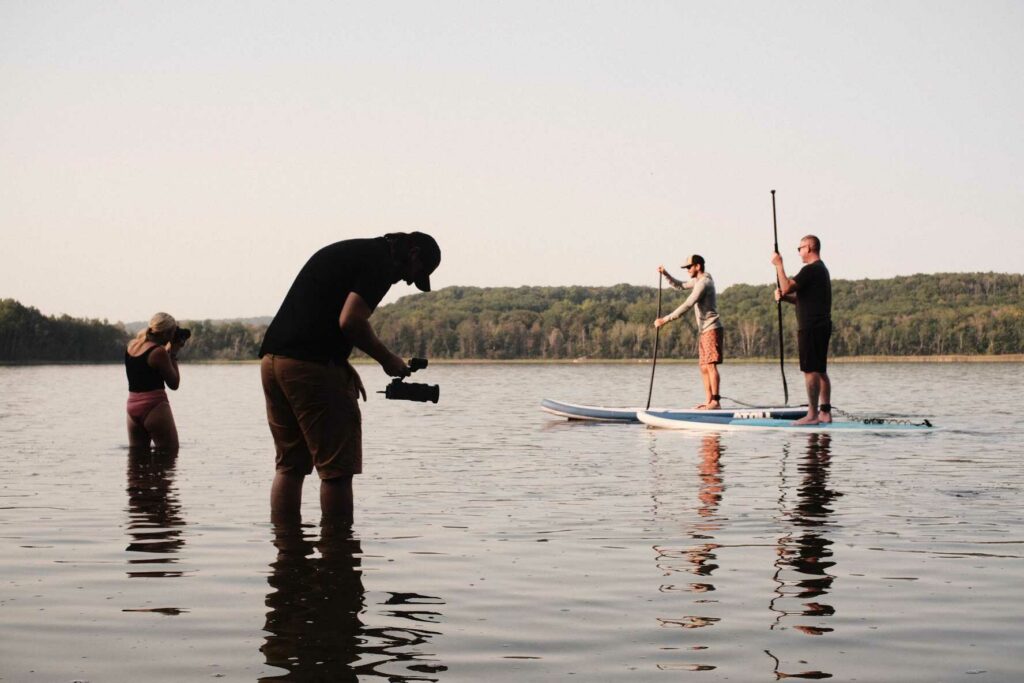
(28, 335)
(222, 341)
(958, 313)
(955, 313)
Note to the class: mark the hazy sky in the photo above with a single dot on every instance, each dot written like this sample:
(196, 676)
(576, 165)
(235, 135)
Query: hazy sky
(190, 156)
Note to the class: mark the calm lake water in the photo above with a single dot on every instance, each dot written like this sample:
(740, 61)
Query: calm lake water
(496, 543)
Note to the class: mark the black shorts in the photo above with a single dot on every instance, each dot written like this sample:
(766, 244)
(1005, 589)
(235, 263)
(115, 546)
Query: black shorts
(813, 345)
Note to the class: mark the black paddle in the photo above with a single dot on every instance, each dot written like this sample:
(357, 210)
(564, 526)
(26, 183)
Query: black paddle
(657, 331)
(778, 305)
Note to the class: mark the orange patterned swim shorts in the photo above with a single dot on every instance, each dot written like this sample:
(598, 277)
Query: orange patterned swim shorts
(711, 347)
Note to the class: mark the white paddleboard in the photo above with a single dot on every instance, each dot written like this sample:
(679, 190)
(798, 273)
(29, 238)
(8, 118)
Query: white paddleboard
(756, 419)
(573, 411)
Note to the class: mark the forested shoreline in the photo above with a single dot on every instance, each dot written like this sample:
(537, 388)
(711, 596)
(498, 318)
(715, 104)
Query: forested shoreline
(918, 315)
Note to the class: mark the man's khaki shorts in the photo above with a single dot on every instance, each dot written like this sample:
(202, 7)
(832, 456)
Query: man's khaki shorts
(313, 413)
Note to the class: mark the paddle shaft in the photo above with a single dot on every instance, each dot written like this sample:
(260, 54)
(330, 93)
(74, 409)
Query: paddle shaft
(657, 333)
(778, 306)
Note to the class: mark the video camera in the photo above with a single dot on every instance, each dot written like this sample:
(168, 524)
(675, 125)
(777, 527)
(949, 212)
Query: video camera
(181, 335)
(412, 392)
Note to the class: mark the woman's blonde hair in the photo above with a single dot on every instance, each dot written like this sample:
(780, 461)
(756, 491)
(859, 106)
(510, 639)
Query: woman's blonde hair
(159, 325)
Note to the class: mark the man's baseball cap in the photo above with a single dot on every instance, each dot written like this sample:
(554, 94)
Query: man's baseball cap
(430, 257)
(695, 260)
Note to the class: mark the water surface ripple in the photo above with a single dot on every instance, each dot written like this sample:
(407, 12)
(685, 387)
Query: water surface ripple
(496, 543)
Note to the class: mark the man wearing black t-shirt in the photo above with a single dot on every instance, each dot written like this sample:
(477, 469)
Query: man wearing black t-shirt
(311, 389)
(811, 291)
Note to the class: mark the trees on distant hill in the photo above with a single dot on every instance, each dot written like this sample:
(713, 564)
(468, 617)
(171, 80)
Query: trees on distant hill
(213, 340)
(959, 313)
(956, 313)
(28, 335)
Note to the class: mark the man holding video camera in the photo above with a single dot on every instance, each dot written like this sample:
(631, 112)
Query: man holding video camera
(310, 387)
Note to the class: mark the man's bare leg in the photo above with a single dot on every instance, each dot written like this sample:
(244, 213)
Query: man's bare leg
(286, 498)
(713, 383)
(336, 501)
(813, 384)
(706, 379)
(825, 396)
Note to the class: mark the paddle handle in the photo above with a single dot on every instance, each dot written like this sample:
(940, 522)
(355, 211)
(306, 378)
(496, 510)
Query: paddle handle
(775, 227)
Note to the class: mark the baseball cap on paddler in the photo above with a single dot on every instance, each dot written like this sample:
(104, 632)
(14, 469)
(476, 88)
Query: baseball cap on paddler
(430, 257)
(695, 260)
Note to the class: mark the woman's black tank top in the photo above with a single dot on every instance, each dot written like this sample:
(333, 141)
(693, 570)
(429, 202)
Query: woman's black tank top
(141, 377)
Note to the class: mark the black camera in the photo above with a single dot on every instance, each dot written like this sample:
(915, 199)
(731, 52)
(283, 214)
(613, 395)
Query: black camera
(412, 392)
(181, 335)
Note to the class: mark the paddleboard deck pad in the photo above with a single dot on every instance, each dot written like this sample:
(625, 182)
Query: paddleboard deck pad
(754, 419)
(573, 411)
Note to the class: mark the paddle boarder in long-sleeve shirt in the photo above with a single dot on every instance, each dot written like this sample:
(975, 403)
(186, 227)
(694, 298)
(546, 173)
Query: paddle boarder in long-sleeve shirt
(703, 302)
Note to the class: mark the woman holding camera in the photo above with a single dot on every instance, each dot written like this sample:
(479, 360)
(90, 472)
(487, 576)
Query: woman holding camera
(151, 361)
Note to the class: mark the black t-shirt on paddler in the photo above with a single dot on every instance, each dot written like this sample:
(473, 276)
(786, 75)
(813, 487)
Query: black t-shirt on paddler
(813, 296)
(306, 325)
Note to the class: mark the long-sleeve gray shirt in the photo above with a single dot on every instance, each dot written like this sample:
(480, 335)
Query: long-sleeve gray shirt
(702, 300)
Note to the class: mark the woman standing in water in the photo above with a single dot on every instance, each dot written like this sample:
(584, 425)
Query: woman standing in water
(151, 361)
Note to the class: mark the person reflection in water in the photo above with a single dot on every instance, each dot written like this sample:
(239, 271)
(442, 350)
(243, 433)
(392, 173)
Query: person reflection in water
(701, 558)
(315, 628)
(807, 551)
(155, 519)
(709, 469)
